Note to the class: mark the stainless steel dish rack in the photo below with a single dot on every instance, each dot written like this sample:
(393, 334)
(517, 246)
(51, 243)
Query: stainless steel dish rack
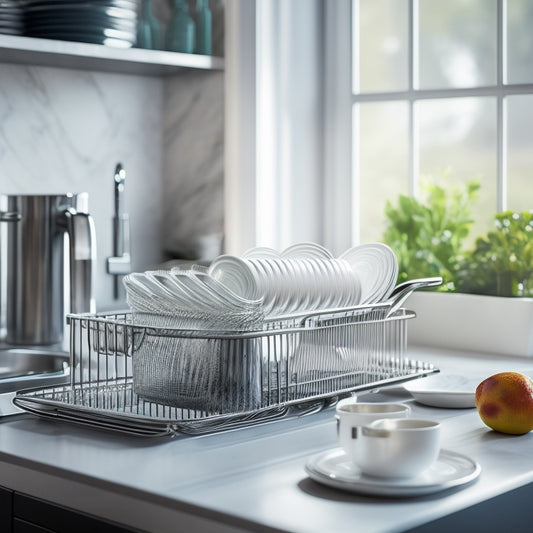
(147, 380)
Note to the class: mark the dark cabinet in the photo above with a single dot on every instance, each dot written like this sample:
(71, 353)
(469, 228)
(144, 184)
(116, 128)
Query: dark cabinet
(24, 514)
(21, 526)
(6, 509)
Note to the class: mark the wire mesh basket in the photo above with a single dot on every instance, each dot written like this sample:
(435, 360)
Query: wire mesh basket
(160, 380)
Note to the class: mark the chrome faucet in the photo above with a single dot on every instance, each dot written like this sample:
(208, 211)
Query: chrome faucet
(119, 263)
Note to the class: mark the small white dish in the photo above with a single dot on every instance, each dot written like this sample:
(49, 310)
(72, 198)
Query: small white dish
(445, 390)
(335, 469)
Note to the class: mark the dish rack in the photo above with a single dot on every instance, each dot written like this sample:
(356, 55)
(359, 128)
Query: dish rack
(147, 380)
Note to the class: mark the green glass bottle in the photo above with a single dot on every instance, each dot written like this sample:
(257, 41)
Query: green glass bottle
(204, 28)
(181, 29)
(148, 29)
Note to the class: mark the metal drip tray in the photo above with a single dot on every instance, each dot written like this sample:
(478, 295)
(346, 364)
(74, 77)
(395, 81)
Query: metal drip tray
(24, 368)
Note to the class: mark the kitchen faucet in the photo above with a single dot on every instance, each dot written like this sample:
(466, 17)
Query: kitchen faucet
(120, 263)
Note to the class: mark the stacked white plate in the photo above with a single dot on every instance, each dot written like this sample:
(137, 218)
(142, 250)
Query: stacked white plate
(189, 298)
(108, 22)
(307, 277)
(377, 268)
(236, 292)
(304, 277)
(11, 17)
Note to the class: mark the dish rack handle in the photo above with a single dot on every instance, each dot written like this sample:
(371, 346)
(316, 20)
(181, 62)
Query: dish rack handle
(398, 296)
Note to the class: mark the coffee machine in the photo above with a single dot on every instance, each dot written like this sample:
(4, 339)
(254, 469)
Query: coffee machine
(42, 231)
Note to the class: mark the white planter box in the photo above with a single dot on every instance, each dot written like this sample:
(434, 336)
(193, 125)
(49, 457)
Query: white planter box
(471, 322)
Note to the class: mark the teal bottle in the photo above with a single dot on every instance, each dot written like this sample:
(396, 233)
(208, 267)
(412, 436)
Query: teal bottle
(181, 29)
(148, 29)
(204, 28)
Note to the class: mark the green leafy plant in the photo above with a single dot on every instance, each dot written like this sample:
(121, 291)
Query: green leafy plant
(427, 234)
(501, 263)
(428, 237)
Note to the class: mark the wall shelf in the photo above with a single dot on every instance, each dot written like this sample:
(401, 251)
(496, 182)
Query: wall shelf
(84, 56)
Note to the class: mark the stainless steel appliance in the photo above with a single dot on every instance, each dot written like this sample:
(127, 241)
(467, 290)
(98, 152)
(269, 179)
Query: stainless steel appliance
(39, 229)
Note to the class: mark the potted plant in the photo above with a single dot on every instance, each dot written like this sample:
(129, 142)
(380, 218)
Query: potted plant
(485, 303)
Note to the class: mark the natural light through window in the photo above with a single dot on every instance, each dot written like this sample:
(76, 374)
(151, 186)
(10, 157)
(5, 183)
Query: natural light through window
(442, 94)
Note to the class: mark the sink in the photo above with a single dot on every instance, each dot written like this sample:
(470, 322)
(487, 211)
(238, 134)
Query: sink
(19, 362)
(28, 368)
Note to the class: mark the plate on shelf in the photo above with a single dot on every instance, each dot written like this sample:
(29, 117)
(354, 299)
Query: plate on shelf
(10, 31)
(85, 22)
(445, 390)
(112, 42)
(334, 469)
(36, 5)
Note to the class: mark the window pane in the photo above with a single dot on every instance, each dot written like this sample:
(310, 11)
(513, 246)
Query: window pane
(457, 44)
(519, 153)
(383, 163)
(519, 41)
(383, 45)
(458, 138)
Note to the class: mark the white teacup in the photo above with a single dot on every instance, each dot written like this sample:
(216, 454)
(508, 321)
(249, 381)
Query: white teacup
(351, 417)
(398, 448)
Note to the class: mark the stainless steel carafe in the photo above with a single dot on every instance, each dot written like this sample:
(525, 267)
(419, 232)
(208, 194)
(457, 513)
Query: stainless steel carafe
(38, 228)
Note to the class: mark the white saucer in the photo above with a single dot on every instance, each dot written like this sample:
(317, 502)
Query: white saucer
(445, 390)
(335, 469)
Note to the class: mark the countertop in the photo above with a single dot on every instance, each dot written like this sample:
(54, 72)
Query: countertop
(253, 479)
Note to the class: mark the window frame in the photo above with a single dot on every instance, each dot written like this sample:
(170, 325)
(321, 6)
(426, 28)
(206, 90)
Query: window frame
(501, 90)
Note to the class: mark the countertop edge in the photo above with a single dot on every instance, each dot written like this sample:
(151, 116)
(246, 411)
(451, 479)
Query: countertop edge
(113, 501)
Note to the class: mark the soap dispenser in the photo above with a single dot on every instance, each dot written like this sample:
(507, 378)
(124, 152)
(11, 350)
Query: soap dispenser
(181, 29)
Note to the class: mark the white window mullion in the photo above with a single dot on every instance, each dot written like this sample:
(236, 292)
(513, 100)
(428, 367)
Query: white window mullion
(356, 175)
(240, 127)
(414, 158)
(502, 106)
(413, 86)
(356, 46)
(414, 80)
(338, 198)
(502, 154)
(356, 137)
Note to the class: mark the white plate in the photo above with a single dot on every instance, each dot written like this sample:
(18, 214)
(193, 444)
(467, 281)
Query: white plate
(261, 252)
(445, 390)
(309, 250)
(377, 267)
(221, 292)
(235, 273)
(335, 469)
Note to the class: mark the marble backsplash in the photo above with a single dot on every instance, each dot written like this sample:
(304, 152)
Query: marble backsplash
(65, 130)
(193, 165)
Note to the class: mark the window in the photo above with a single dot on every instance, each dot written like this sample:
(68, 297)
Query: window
(441, 90)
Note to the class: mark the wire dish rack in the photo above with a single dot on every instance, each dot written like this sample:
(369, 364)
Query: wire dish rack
(147, 380)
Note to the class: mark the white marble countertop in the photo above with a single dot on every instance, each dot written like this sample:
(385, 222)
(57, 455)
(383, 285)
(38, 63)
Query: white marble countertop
(252, 479)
